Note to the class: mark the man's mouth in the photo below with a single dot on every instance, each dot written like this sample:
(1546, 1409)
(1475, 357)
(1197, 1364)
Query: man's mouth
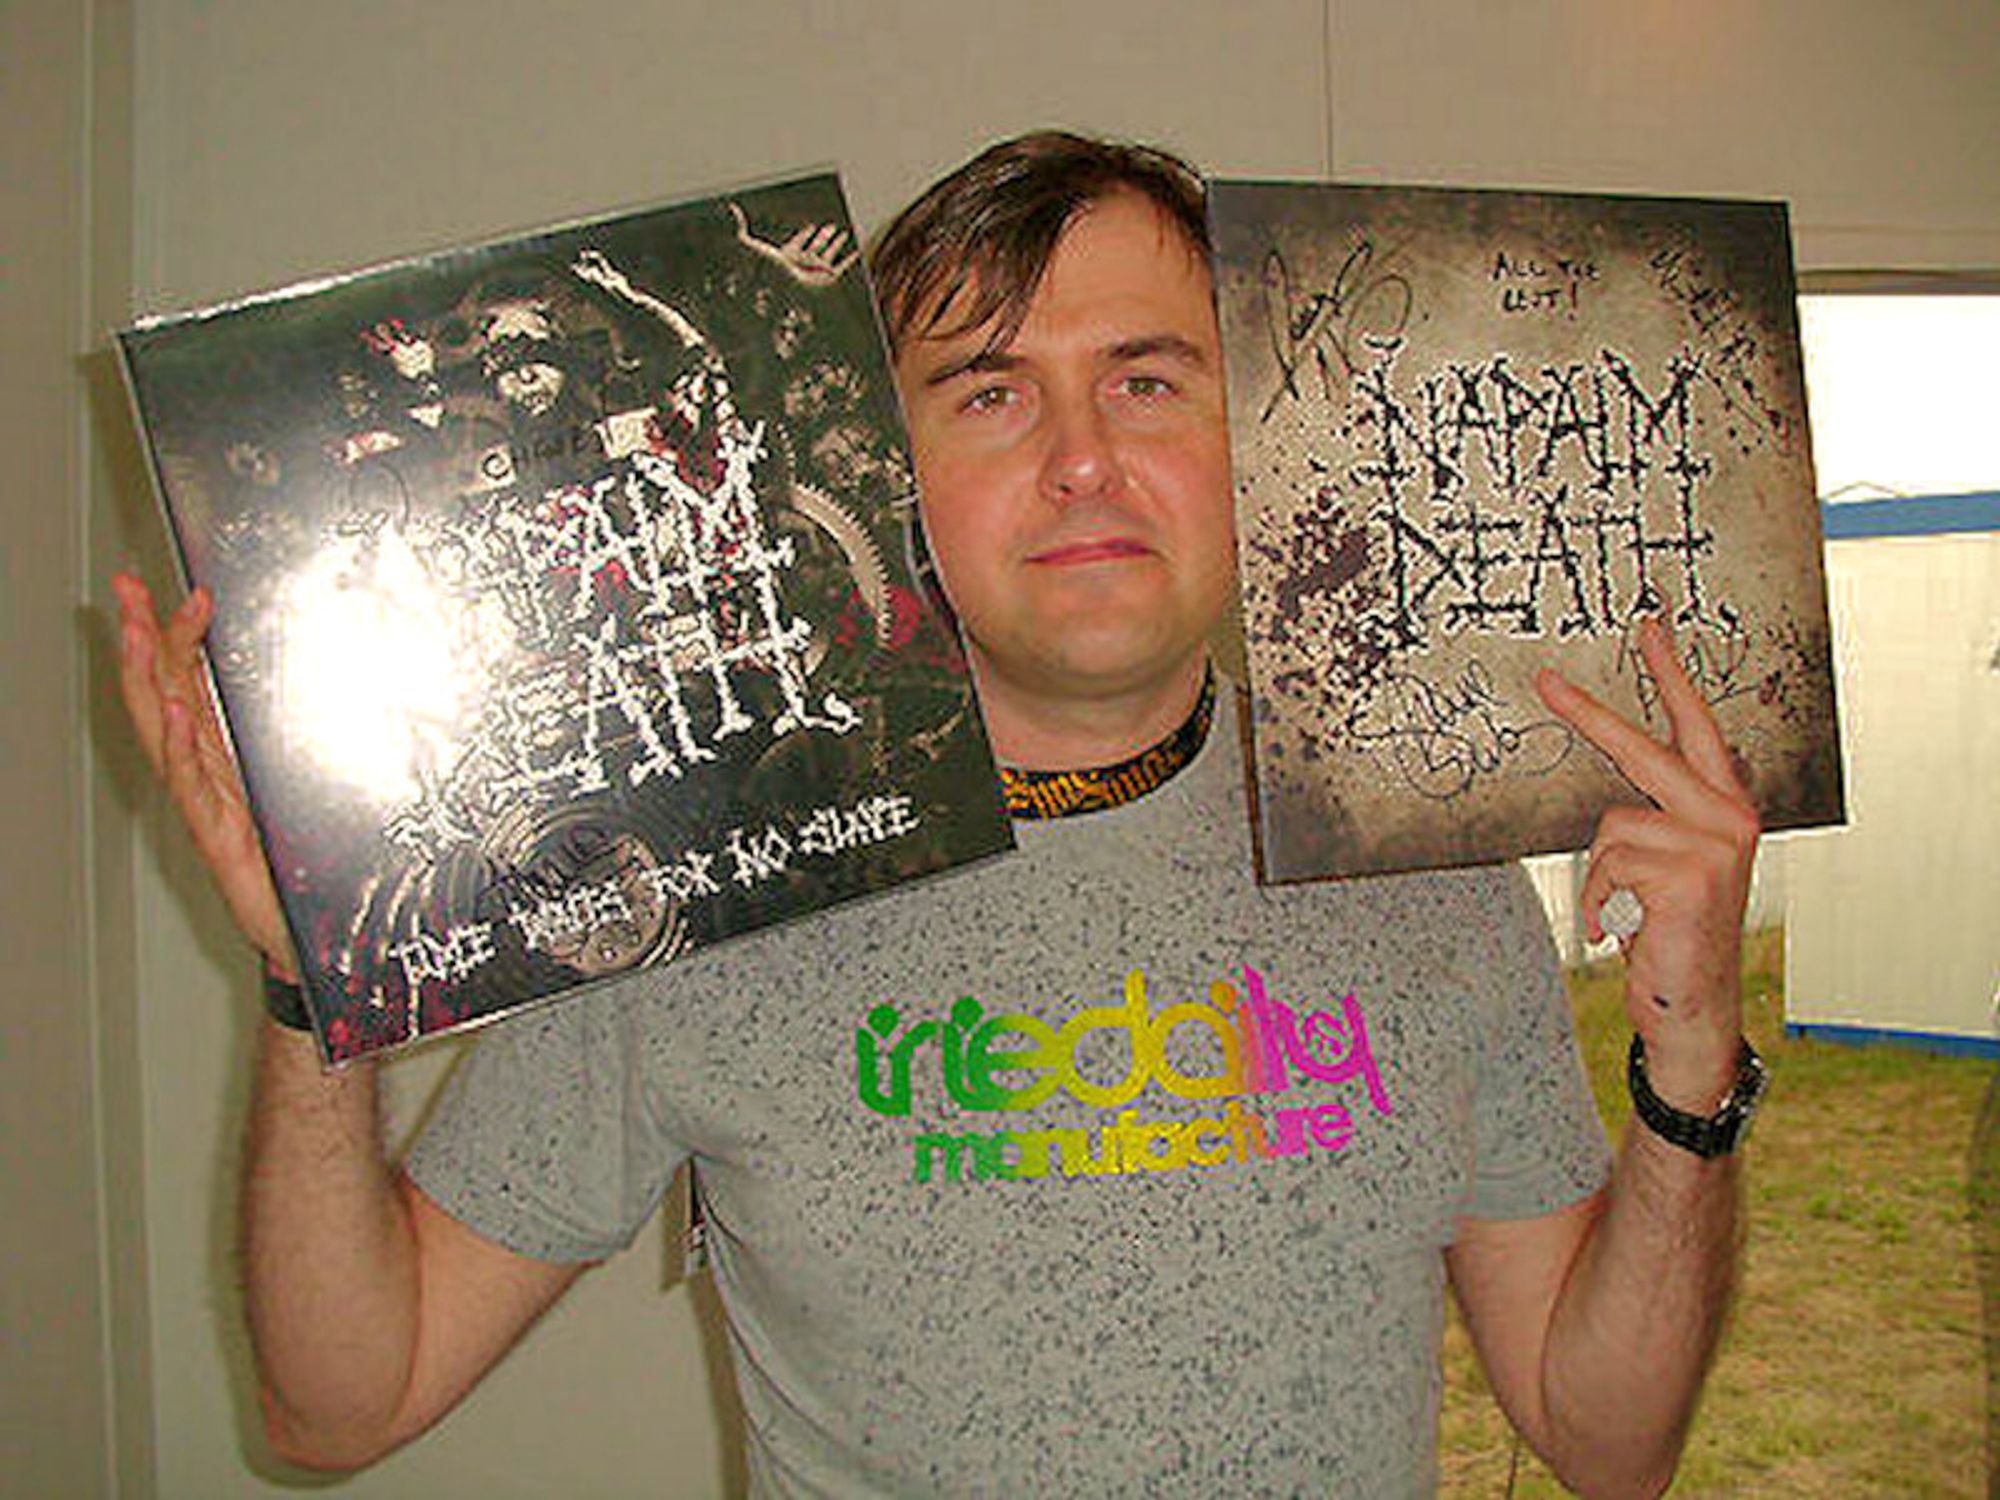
(1090, 550)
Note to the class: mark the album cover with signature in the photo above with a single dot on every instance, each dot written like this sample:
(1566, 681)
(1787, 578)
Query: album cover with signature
(1475, 433)
(566, 617)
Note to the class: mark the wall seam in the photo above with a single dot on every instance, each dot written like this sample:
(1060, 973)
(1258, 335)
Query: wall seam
(1326, 86)
(107, 1357)
(104, 168)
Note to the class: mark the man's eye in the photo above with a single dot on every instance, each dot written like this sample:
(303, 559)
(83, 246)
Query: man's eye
(987, 398)
(1148, 387)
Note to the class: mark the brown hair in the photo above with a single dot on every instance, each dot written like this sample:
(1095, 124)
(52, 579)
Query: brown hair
(992, 226)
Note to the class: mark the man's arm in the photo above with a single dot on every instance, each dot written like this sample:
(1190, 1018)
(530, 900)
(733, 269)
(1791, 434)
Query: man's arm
(1596, 1324)
(371, 1310)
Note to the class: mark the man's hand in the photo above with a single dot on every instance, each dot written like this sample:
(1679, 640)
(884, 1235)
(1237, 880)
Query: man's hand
(818, 255)
(1688, 861)
(160, 677)
(1596, 1323)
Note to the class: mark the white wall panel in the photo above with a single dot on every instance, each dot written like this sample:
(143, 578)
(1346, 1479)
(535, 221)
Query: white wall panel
(284, 139)
(1881, 123)
(55, 1417)
(1891, 920)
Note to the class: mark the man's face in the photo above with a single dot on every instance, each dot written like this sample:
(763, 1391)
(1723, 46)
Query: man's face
(1076, 482)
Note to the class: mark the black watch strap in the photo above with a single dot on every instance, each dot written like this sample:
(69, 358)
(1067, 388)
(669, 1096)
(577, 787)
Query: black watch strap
(1707, 1136)
(285, 1003)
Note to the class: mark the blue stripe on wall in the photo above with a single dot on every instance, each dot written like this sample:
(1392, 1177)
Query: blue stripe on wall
(1929, 1041)
(1919, 515)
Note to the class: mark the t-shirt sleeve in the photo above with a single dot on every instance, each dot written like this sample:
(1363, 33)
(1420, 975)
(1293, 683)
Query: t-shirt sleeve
(544, 1140)
(1538, 1141)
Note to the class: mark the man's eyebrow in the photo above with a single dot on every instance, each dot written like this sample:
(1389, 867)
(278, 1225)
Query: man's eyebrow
(1172, 345)
(1144, 346)
(979, 362)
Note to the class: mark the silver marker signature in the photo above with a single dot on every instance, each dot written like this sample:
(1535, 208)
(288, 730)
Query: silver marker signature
(1439, 737)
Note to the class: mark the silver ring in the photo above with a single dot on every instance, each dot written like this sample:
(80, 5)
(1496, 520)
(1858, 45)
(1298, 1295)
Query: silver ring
(1623, 914)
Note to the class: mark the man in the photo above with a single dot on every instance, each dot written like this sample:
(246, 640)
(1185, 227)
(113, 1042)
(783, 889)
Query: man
(1097, 1169)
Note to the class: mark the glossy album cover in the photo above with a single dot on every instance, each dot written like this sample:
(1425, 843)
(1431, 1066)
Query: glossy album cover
(566, 612)
(1475, 433)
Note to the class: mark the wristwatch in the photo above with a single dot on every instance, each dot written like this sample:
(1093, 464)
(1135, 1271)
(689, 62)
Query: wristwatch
(285, 1002)
(1707, 1136)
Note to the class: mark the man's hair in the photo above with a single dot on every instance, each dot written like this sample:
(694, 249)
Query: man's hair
(987, 231)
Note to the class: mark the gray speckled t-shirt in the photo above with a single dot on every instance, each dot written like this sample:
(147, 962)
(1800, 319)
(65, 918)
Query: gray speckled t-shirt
(1094, 1169)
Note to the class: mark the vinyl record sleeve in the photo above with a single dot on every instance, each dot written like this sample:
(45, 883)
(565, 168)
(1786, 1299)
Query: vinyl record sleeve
(567, 616)
(1479, 432)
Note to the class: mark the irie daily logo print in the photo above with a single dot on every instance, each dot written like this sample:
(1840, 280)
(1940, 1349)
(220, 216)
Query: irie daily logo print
(1268, 1080)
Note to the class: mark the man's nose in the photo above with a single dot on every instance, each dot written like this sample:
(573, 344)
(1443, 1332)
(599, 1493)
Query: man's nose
(1081, 459)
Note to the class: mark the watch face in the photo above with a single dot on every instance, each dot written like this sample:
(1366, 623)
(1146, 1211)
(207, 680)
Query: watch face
(1752, 1080)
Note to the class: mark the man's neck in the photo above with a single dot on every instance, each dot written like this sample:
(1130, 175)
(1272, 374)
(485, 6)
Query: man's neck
(1038, 731)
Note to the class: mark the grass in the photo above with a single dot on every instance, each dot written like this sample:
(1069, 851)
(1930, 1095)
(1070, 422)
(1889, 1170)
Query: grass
(1853, 1365)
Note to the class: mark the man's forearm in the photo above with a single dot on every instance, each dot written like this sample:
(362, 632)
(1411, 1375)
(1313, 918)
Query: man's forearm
(1639, 1316)
(330, 1267)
